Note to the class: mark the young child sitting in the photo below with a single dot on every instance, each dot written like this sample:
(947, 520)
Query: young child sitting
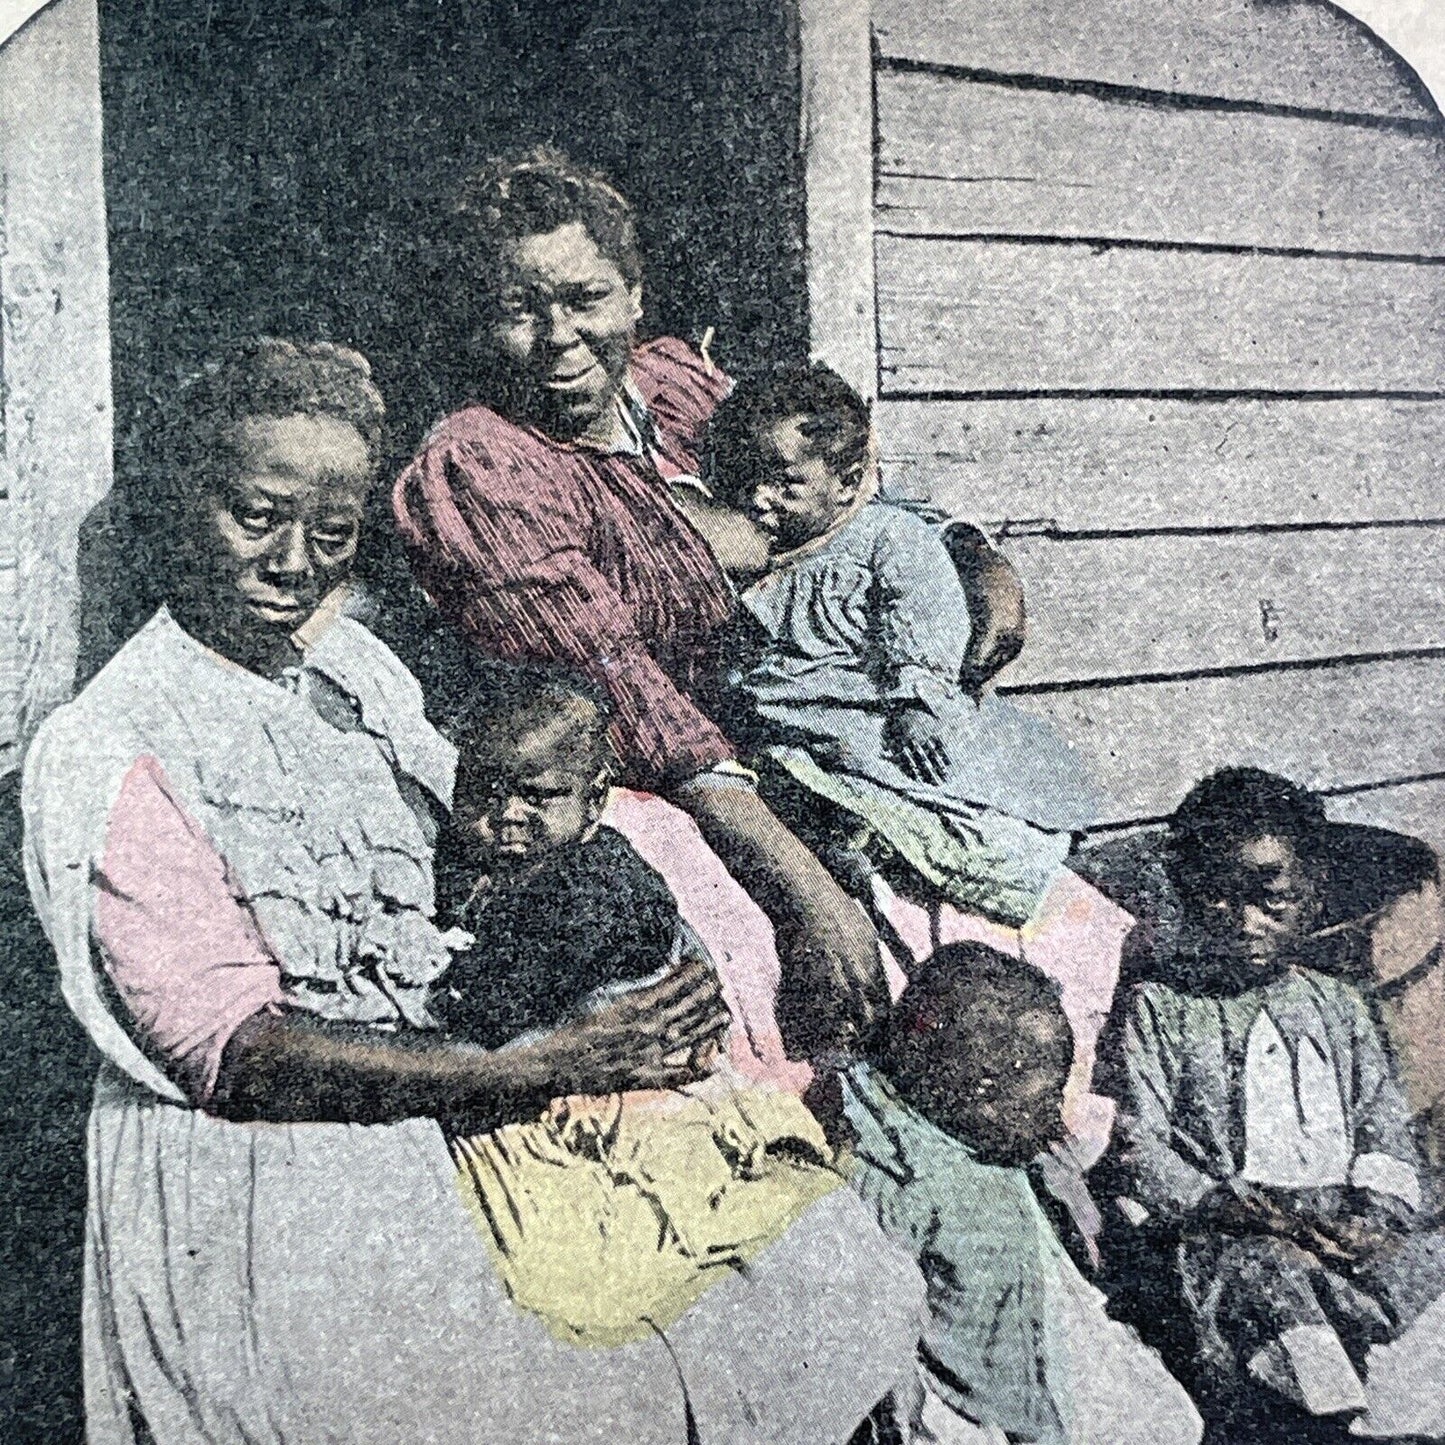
(1262, 1152)
(858, 686)
(607, 1217)
(959, 1104)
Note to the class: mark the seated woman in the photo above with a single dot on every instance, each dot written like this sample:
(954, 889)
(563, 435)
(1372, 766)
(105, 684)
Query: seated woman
(607, 1217)
(1262, 1147)
(867, 627)
(953, 1120)
(555, 521)
(229, 842)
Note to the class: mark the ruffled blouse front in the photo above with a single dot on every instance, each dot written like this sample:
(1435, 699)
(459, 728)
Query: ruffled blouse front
(204, 842)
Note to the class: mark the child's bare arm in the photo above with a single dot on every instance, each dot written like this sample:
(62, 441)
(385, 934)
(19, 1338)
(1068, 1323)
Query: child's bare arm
(996, 608)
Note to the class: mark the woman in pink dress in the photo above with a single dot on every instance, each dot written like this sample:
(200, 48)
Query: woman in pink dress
(562, 522)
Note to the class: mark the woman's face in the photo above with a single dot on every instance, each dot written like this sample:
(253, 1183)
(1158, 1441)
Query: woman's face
(276, 528)
(563, 328)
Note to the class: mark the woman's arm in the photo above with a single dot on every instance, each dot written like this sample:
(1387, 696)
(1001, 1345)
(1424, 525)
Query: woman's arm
(833, 985)
(288, 1066)
(501, 548)
(203, 991)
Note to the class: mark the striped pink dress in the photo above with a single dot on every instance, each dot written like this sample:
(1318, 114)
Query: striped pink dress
(545, 551)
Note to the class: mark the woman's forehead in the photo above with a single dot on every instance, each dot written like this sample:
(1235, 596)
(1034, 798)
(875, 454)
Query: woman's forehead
(566, 255)
(303, 450)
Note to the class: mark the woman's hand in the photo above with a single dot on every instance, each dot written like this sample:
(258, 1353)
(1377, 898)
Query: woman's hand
(291, 1067)
(656, 1038)
(833, 985)
(916, 743)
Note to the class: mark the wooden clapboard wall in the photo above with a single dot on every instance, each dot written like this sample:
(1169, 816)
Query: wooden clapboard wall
(55, 407)
(1160, 295)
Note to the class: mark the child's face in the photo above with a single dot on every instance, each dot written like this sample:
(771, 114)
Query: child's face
(1255, 907)
(992, 1079)
(526, 796)
(802, 493)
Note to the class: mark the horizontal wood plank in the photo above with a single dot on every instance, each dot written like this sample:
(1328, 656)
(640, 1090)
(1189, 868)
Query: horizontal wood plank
(1326, 728)
(1157, 604)
(961, 157)
(1306, 56)
(1414, 808)
(997, 316)
(1081, 465)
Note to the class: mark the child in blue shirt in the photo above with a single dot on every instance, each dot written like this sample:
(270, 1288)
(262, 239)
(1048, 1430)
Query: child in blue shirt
(957, 1139)
(858, 687)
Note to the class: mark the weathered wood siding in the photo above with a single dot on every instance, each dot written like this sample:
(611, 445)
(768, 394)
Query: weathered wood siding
(1160, 295)
(55, 426)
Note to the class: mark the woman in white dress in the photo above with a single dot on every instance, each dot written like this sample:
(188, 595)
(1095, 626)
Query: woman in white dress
(228, 840)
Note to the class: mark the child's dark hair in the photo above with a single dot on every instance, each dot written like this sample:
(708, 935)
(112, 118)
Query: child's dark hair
(973, 1023)
(837, 424)
(1232, 806)
(508, 701)
(995, 984)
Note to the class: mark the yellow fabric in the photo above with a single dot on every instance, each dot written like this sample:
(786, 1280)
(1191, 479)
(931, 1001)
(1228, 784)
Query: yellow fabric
(610, 1216)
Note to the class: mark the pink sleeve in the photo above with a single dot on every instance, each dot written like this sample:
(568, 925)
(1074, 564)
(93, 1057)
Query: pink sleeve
(497, 536)
(682, 391)
(185, 955)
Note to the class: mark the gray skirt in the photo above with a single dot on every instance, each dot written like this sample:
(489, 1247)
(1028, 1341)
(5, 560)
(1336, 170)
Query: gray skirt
(292, 1284)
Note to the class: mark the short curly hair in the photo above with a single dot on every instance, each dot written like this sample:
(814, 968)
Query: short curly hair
(836, 424)
(533, 193)
(496, 701)
(1232, 806)
(267, 376)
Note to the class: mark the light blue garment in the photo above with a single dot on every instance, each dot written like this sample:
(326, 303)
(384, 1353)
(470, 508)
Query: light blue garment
(995, 1344)
(873, 616)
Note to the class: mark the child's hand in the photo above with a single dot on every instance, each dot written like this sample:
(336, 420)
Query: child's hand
(915, 742)
(1358, 1239)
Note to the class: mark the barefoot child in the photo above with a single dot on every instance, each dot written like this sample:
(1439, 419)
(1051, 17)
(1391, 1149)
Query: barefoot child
(607, 1217)
(1263, 1149)
(960, 1103)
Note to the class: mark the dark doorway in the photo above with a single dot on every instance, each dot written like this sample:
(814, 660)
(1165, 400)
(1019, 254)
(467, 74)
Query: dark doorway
(270, 164)
(270, 168)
